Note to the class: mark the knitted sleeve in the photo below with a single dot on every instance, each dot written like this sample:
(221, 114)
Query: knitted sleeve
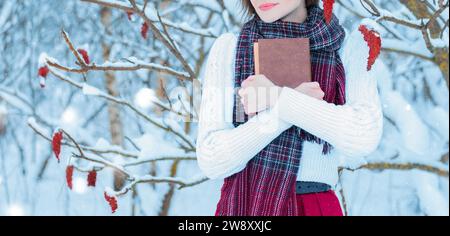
(222, 149)
(354, 128)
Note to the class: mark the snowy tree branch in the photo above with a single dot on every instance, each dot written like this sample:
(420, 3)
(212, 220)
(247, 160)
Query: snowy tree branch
(121, 168)
(72, 49)
(157, 33)
(116, 151)
(440, 53)
(131, 64)
(183, 183)
(403, 166)
(142, 114)
(149, 17)
(129, 8)
(38, 130)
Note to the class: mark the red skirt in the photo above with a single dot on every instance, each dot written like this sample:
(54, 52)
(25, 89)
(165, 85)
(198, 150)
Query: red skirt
(318, 204)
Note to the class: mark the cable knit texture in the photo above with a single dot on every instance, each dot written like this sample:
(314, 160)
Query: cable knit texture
(354, 129)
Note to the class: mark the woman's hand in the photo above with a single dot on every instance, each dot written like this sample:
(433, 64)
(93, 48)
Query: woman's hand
(258, 93)
(311, 89)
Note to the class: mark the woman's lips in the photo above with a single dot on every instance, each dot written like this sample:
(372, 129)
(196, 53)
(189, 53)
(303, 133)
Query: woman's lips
(267, 6)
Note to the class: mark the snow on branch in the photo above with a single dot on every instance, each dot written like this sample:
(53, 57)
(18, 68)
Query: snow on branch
(181, 182)
(98, 159)
(15, 99)
(164, 37)
(98, 163)
(32, 123)
(131, 64)
(403, 166)
(99, 151)
(127, 7)
(89, 90)
(426, 20)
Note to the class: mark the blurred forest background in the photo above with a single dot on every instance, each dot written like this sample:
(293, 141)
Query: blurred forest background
(120, 79)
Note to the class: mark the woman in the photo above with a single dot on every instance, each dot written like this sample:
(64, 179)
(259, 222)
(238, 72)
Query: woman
(284, 160)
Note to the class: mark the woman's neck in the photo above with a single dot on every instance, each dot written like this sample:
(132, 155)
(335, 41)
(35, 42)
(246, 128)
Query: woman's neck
(298, 15)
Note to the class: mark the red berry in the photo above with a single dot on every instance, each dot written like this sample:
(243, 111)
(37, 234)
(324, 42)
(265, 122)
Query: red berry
(92, 178)
(85, 55)
(144, 30)
(112, 201)
(328, 9)
(69, 175)
(373, 40)
(56, 143)
(43, 71)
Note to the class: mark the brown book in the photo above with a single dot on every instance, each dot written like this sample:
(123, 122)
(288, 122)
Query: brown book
(286, 62)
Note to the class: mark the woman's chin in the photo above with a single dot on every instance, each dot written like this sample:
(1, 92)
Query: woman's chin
(269, 19)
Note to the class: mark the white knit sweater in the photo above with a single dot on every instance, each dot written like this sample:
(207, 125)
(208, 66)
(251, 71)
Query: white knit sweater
(354, 129)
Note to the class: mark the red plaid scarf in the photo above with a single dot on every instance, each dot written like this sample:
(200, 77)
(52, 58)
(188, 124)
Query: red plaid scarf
(267, 185)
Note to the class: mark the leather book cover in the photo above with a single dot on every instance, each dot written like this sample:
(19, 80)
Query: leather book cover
(286, 62)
